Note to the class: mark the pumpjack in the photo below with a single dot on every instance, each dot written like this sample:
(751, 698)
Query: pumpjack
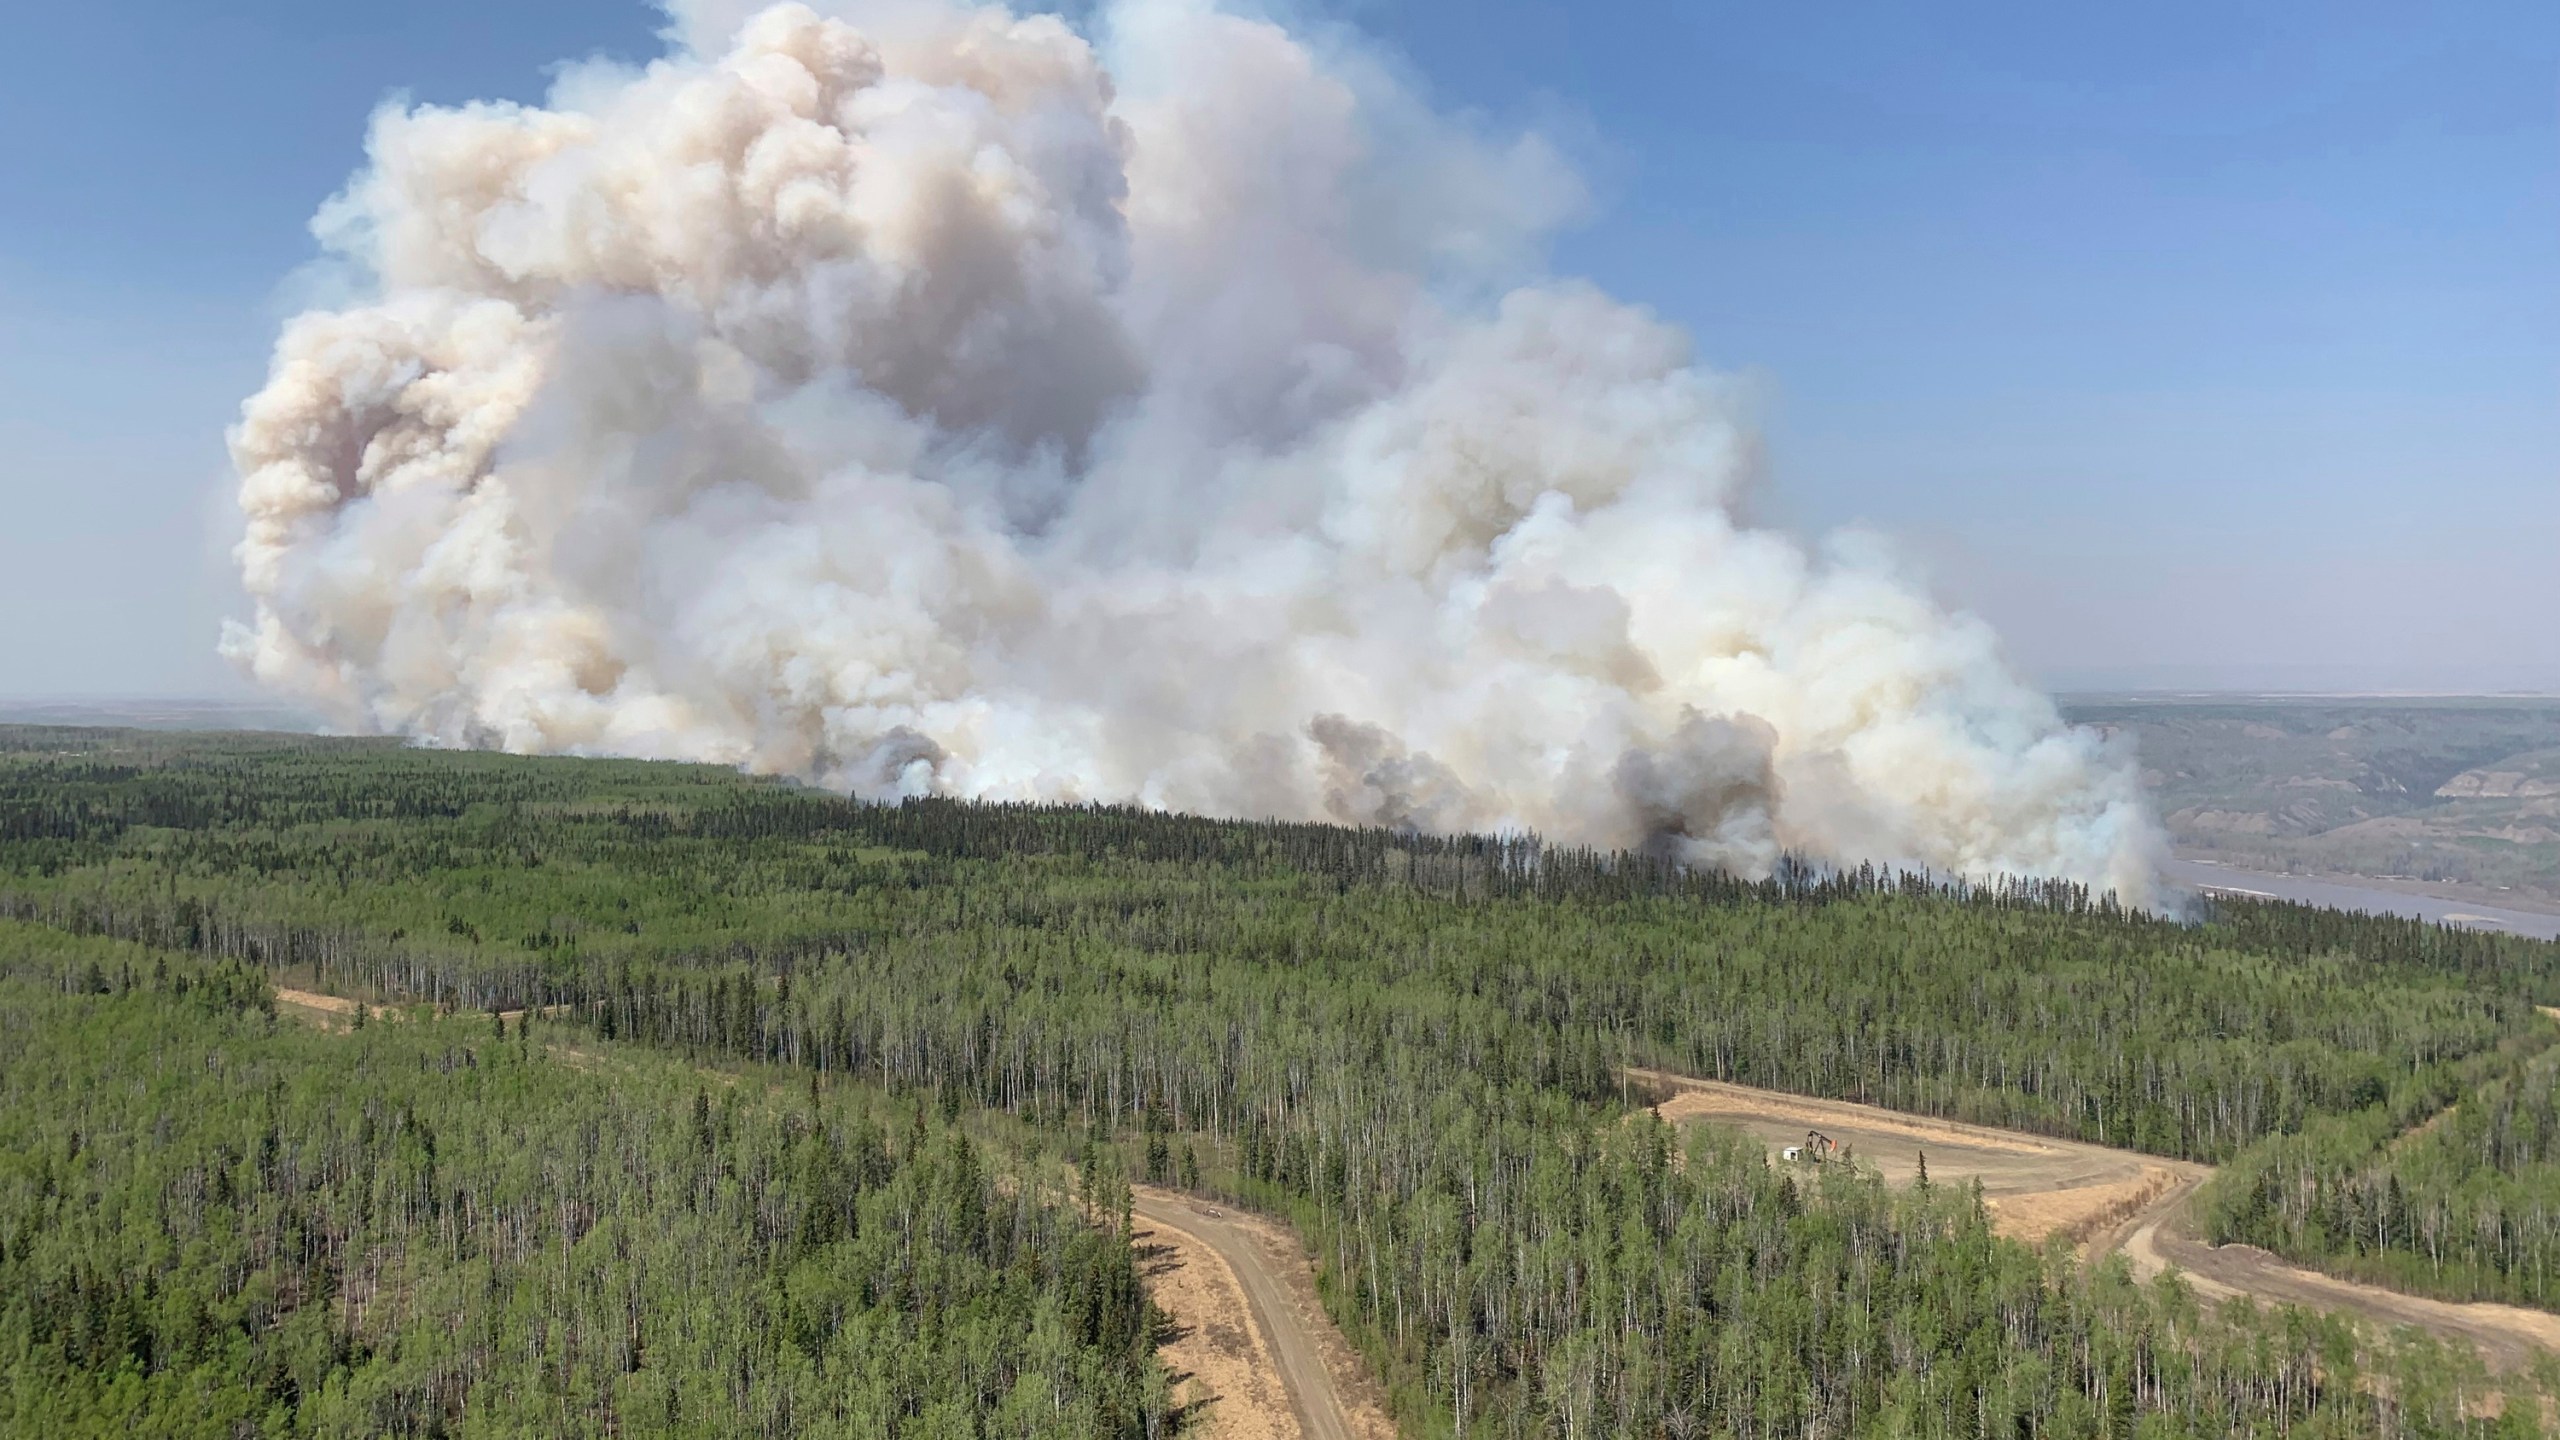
(1817, 1146)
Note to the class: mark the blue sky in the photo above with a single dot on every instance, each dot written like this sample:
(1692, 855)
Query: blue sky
(2192, 344)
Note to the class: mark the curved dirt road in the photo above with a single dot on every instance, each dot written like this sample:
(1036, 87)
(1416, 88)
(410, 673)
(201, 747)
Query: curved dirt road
(1243, 1297)
(2101, 1199)
(2508, 1337)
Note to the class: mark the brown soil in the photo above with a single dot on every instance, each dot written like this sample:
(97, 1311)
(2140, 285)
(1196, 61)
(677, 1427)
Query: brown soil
(2034, 1187)
(1758, 1110)
(1224, 1377)
(342, 1007)
(1261, 1357)
(2508, 1337)
(330, 1008)
(2082, 1212)
(2421, 1130)
(2102, 1201)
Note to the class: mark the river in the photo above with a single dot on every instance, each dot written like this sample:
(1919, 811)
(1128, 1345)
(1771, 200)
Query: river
(2348, 895)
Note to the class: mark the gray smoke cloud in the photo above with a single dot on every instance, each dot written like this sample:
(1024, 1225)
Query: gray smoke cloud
(920, 397)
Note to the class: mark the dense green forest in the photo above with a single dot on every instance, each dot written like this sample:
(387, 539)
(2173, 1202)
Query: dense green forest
(2465, 1205)
(1409, 1046)
(213, 1223)
(685, 903)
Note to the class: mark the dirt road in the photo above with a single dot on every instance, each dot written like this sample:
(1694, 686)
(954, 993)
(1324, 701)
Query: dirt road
(1244, 1304)
(2033, 1186)
(2508, 1337)
(1262, 1361)
(2102, 1200)
(1255, 1356)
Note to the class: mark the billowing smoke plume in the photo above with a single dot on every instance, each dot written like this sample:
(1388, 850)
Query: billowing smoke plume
(923, 398)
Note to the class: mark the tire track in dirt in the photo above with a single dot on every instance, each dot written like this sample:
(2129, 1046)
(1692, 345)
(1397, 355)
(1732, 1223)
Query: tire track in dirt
(2103, 1200)
(1252, 1333)
(2508, 1337)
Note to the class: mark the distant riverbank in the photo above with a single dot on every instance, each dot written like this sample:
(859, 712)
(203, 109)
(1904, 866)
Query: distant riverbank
(2205, 875)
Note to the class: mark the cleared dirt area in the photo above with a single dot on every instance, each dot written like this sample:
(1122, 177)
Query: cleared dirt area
(337, 1007)
(1262, 1360)
(316, 1006)
(2099, 1199)
(1224, 1377)
(2034, 1187)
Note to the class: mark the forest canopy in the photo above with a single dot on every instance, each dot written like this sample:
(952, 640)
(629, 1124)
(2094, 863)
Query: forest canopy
(1410, 1047)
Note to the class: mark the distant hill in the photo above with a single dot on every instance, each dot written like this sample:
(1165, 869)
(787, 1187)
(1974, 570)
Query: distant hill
(160, 714)
(2452, 791)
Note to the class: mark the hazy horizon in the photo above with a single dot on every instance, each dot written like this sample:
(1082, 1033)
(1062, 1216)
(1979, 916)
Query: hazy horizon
(252, 698)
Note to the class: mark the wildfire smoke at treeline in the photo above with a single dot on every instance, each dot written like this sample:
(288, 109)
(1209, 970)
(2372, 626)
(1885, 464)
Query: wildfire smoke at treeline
(925, 398)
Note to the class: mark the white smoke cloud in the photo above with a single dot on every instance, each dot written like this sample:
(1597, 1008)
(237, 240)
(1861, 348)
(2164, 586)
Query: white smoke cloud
(921, 397)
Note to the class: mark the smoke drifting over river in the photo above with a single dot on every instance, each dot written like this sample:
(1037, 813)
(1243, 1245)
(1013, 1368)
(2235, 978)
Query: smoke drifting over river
(916, 397)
